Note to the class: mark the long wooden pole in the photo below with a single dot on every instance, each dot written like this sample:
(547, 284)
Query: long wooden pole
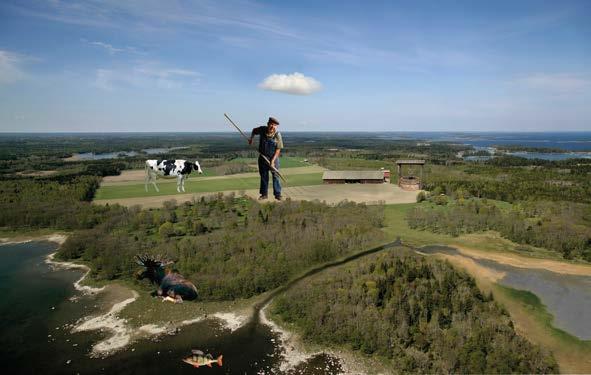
(275, 170)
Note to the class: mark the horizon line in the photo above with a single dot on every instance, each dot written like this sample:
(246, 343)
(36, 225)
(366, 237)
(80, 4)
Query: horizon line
(297, 131)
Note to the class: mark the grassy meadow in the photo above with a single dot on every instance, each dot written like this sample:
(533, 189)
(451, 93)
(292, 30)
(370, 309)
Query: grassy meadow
(284, 161)
(200, 183)
(197, 185)
(396, 225)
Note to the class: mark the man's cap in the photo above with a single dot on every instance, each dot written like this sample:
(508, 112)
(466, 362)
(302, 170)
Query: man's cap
(273, 120)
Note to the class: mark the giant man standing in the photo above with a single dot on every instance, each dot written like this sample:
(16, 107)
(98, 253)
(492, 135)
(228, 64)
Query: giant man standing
(270, 145)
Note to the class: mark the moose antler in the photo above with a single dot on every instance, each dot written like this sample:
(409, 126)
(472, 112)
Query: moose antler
(149, 261)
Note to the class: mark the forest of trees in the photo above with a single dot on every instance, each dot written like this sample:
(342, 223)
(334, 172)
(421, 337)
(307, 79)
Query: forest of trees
(375, 153)
(550, 202)
(419, 314)
(564, 227)
(513, 179)
(50, 203)
(229, 247)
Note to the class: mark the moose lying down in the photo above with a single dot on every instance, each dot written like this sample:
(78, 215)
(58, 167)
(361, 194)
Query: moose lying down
(172, 286)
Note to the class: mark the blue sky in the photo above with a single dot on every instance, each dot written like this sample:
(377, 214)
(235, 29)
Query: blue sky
(116, 65)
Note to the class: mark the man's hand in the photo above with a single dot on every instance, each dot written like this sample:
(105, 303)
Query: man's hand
(250, 140)
(273, 162)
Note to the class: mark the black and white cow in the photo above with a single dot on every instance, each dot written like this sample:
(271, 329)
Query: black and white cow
(170, 168)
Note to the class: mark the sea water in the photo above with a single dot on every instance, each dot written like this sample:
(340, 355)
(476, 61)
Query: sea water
(40, 306)
(566, 297)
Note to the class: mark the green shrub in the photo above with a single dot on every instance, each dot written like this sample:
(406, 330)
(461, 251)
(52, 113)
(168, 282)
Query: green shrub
(166, 229)
(421, 197)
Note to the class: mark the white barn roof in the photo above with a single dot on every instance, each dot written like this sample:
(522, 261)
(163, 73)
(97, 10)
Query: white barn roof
(353, 175)
(410, 161)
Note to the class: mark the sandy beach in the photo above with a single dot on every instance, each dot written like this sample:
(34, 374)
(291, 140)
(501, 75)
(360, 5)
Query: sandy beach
(85, 289)
(121, 333)
(230, 320)
(515, 260)
(473, 268)
(58, 238)
(294, 352)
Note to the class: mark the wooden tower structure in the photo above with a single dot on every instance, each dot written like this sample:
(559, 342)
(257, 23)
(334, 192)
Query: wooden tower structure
(407, 178)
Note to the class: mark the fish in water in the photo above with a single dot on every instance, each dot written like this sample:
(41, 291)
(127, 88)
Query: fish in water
(198, 359)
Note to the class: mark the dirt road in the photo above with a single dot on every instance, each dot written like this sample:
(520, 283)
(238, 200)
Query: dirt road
(331, 194)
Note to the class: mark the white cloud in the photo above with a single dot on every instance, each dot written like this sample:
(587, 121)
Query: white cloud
(10, 67)
(157, 15)
(146, 75)
(238, 41)
(296, 84)
(112, 50)
(559, 83)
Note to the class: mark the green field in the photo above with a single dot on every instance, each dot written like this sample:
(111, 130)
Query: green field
(284, 161)
(396, 225)
(195, 185)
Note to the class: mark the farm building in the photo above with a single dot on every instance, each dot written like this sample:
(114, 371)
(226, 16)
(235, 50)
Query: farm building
(408, 180)
(352, 177)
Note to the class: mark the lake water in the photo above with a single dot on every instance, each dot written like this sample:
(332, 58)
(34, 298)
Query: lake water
(535, 155)
(578, 144)
(33, 298)
(570, 141)
(478, 158)
(162, 150)
(38, 314)
(106, 155)
(552, 156)
(566, 297)
(122, 154)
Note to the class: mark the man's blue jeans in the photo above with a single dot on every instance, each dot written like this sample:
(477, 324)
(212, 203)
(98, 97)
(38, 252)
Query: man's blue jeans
(264, 170)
